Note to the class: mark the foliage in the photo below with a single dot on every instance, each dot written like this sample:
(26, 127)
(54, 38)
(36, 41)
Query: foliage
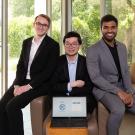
(56, 35)
(86, 21)
(56, 14)
(80, 8)
(108, 4)
(22, 7)
(126, 16)
(93, 21)
(56, 30)
(82, 27)
(17, 33)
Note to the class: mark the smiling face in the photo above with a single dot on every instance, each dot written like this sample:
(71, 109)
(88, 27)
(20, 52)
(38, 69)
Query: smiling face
(41, 26)
(109, 30)
(71, 46)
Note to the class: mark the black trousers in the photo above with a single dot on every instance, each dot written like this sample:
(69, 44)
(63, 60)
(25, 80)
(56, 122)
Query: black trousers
(11, 118)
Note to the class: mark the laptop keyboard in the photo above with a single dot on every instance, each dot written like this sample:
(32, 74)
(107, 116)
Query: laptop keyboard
(69, 122)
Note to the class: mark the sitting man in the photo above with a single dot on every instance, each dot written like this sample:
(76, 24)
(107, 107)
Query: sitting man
(71, 77)
(108, 69)
(36, 65)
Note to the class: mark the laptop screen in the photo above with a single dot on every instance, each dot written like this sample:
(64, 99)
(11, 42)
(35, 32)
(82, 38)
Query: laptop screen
(69, 107)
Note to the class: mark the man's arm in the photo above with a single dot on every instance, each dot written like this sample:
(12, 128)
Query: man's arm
(21, 71)
(126, 75)
(99, 81)
(49, 69)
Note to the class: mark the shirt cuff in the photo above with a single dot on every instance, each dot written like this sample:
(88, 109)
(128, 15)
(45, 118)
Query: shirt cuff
(16, 86)
(69, 88)
(30, 87)
(131, 92)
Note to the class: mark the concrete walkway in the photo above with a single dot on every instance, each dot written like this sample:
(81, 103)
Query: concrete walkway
(27, 120)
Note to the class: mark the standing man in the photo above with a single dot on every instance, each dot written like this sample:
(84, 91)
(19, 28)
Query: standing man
(71, 77)
(34, 71)
(108, 69)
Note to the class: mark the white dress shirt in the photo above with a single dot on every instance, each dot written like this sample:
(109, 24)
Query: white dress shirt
(72, 65)
(33, 50)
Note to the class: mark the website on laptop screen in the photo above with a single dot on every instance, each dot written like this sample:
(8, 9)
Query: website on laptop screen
(69, 107)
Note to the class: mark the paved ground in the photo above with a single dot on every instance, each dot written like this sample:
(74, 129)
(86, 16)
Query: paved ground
(27, 120)
(26, 113)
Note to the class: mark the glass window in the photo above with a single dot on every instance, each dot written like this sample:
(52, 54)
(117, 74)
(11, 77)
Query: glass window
(86, 21)
(20, 21)
(56, 19)
(0, 49)
(124, 11)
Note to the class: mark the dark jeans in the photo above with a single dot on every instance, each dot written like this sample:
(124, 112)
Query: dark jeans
(11, 118)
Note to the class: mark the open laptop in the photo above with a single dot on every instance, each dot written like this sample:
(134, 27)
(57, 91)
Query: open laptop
(69, 112)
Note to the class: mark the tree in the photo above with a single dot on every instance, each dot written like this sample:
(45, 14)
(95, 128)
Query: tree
(80, 10)
(132, 30)
(86, 21)
(56, 14)
(108, 4)
(17, 33)
(22, 7)
(125, 13)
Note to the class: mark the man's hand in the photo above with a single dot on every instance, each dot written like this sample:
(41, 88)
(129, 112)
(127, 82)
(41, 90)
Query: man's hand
(132, 100)
(21, 89)
(77, 83)
(127, 98)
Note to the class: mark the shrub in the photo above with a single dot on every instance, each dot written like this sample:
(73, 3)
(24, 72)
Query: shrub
(19, 29)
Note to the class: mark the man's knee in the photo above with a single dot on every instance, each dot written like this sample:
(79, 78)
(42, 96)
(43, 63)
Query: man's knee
(2, 106)
(118, 112)
(14, 104)
(11, 106)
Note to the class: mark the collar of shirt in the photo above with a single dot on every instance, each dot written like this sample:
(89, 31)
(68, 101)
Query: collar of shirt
(72, 65)
(110, 45)
(39, 41)
(74, 61)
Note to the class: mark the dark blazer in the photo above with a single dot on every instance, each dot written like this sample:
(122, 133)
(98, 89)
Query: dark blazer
(43, 64)
(61, 79)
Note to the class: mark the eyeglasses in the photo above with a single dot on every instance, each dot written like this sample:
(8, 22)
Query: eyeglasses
(41, 25)
(71, 44)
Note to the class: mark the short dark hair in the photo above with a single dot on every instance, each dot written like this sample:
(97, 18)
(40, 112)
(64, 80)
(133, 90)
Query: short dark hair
(73, 34)
(44, 16)
(108, 18)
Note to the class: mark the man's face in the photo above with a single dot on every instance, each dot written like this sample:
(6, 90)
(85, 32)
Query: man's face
(41, 26)
(109, 30)
(71, 46)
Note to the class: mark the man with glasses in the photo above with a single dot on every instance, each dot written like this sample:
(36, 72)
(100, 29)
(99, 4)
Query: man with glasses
(71, 77)
(34, 71)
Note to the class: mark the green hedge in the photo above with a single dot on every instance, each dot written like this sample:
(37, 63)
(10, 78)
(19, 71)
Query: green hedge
(17, 33)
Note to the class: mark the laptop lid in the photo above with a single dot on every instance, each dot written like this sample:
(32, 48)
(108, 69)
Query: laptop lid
(69, 107)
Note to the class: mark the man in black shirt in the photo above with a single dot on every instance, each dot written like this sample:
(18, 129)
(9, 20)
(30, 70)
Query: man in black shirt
(108, 69)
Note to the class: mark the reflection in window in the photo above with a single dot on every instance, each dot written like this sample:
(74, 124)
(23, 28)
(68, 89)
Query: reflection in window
(86, 21)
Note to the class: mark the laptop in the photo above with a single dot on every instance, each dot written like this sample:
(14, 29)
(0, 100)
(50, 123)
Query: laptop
(69, 112)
